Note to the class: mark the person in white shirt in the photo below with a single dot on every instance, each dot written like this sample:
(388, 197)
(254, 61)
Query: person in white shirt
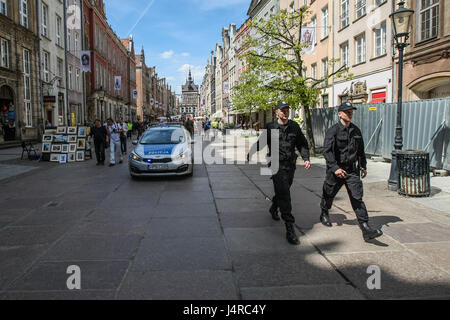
(123, 136)
(114, 142)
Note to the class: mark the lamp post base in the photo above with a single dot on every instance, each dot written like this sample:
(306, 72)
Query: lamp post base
(393, 176)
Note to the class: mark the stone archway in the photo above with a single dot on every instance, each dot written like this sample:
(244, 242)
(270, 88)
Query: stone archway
(7, 114)
(431, 87)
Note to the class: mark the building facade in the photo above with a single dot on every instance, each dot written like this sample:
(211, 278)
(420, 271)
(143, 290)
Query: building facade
(20, 94)
(426, 72)
(190, 97)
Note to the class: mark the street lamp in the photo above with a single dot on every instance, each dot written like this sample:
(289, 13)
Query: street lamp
(101, 97)
(400, 22)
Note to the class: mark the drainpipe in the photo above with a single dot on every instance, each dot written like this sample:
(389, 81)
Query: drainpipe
(66, 64)
(39, 80)
(84, 111)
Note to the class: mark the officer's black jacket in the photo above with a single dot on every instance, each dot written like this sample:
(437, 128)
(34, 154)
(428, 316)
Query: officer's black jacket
(343, 147)
(291, 137)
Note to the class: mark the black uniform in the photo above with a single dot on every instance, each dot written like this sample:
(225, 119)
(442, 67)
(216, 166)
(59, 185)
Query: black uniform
(99, 142)
(344, 149)
(291, 138)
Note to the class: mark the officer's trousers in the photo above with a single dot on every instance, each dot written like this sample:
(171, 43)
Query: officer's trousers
(354, 187)
(282, 182)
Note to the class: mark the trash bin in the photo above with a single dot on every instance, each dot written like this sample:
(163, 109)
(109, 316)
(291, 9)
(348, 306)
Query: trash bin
(413, 173)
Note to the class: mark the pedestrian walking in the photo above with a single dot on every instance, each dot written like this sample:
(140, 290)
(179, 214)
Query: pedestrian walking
(290, 138)
(123, 136)
(100, 136)
(114, 142)
(189, 125)
(343, 150)
(129, 129)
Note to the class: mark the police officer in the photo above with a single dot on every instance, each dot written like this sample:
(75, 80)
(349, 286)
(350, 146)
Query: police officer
(290, 138)
(346, 161)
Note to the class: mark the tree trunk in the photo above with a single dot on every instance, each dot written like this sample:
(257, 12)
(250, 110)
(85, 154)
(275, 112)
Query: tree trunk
(309, 131)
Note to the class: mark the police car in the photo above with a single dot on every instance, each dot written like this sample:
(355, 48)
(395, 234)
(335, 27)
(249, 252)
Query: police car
(163, 150)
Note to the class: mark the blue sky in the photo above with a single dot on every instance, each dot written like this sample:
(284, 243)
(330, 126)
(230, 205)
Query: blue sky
(175, 34)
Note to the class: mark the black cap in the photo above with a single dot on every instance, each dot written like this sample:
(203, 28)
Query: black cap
(282, 105)
(346, 106)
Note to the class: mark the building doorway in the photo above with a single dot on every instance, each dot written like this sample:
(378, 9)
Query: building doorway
(7, 114)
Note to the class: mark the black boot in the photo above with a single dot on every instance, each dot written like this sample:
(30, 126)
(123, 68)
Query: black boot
(368, 232)
(274, 212)
(290, 234)
(325, 218)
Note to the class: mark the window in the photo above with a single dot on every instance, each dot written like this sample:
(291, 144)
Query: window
(324, 27)
(314, 25)
(24, 13)
(46, 66)
(325, 103)
(360, 8)
(76, 42)
(344, 55)
(44, 19)
(27, 87)
(70, 78)
(379, 2)
(344, 13)
(77, 80)
(58, 30)
(360, 46)
(5, 53)
(380, 40)
(3, 7)
(429, 19)
(314, 71)
(60, 72)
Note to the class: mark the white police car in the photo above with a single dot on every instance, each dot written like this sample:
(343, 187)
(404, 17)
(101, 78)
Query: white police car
(163, 150)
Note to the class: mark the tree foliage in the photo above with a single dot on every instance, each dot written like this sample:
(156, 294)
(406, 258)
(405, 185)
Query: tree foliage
(274, 55)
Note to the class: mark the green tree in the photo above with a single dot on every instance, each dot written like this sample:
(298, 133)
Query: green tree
(275, 71)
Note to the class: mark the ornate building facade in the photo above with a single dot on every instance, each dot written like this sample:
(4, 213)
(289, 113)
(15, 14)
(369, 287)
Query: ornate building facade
(190, 96)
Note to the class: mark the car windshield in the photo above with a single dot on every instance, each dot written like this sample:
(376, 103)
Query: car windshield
(163, 136)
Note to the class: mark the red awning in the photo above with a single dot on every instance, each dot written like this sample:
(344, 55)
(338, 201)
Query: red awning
(377, 100)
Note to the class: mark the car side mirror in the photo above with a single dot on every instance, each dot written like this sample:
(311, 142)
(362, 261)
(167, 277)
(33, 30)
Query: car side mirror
(134, 142)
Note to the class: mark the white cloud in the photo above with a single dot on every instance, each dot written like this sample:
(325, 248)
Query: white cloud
(197, 72)
(167, 54)
(170, 78)
(185, 54)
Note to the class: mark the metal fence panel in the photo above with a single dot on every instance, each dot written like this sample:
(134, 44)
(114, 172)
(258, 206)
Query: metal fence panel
(425, 123)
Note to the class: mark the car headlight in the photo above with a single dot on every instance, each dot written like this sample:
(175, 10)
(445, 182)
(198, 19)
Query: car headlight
(183, 155)
(135, 157)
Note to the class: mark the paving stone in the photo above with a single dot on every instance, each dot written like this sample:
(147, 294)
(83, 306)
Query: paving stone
(95, 275)
(101, 247)
(182, 254)
(179, 285)
(185, 210)
(15, 260)
(256, 240)
(339, 239)
(48, 216)
(418, 232)
(238, 194)
(125, 201)
(184, 227)
(182, 197)
(302, 292)
(268, 269)
(124, 227)
(403, 275)
(26, 203)
(241, 205)
(122, 215)
(247, 219)
(60, 295)
(31, 235)
(436, 254)
(8, 216)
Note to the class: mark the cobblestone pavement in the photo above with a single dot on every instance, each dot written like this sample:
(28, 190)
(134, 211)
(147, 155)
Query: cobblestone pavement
(209, 237)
